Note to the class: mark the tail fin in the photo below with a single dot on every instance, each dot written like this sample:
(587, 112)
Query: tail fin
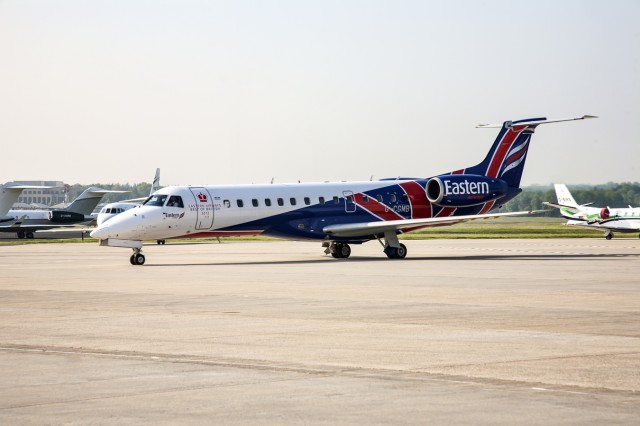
(10, 192)
(564, 196)
(88, 200)
(505, 160)
(156, 182)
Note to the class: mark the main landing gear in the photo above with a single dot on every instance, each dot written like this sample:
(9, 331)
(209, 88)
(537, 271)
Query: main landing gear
(338, 250)
(23, 234)
(137, 258)
(608, 235)
(393, 248)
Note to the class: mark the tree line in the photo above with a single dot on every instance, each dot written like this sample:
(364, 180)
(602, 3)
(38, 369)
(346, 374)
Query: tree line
(607, 195)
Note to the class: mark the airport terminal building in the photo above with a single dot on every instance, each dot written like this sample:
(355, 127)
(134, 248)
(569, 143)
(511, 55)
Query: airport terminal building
(59, 193)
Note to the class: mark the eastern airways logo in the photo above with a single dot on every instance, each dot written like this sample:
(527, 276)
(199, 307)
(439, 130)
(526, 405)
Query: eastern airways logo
(202, 197)
(174, 215)
(465, 188)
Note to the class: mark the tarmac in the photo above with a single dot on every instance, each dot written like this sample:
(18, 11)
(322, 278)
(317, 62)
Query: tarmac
(459, 332)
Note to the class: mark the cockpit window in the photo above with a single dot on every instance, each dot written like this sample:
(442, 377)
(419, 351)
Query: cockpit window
(175, 201)
(155, 200)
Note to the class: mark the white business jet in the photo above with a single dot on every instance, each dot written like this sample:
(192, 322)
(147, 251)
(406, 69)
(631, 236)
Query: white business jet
(604, 218)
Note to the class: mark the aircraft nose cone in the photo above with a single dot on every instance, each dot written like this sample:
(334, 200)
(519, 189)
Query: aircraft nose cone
(101, 232)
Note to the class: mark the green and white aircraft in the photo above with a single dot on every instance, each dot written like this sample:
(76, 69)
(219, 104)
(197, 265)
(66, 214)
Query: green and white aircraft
(605, 218)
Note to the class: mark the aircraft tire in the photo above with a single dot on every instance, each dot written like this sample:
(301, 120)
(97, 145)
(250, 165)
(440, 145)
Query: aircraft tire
(396, 252)
(20, 234)
(139, 259)
(401, 252)
(132, 259)
(162, 242)
(609, 236)
(29, 235)
(345, 251)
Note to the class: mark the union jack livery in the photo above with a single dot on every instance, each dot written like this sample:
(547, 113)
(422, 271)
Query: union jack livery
(337, 214)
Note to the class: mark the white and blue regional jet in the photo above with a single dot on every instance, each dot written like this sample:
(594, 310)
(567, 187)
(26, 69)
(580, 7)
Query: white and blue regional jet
(337, 214)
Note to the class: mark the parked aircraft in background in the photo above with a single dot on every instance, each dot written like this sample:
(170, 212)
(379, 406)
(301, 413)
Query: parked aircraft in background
(9, 194)
(112, 209)
(605, 218)
(25, 222)
(337, 214)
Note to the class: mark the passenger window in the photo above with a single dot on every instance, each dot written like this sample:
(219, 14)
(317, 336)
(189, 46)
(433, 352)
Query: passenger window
(336, 200)
(292, 201)
(392, 198)
(254, 202)
(307, 201)
(267, 202)
(175, 201)
(227, 203)
(240, 203)
(379, 198)
(349, 199)
(280, 202)
(321, 200)
(365, 198)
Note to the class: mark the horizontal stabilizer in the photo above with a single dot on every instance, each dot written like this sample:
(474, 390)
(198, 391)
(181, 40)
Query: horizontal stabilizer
(535, 121)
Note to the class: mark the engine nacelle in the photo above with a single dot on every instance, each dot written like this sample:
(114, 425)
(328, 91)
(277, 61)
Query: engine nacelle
(62, 216)
(604, 214)
(464, 190)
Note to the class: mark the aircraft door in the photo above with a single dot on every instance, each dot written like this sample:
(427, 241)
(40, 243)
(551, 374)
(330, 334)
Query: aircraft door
(203, 207)
(350, 205)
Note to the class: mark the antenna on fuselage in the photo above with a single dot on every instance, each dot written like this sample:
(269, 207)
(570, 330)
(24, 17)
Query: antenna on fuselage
(272, 180)
(371, 178)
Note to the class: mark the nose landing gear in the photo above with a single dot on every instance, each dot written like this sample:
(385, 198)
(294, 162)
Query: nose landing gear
(137, 258)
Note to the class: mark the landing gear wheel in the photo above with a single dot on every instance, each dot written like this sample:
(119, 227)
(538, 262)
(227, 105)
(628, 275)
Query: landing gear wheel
(340, 251)
(162, 242)
(345, 251)
(29, 235)
(20, 234)
(132, 259)
(396, 252)
(138, 259)
(608, 235)
(401, 252)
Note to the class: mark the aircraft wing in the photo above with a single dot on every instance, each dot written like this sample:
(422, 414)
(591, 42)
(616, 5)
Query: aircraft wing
(572, 209)
(370, 228)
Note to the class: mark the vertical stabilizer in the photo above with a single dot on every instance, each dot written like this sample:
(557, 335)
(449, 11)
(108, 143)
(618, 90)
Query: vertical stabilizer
(564, 196)
(506, 158)
(156, 182)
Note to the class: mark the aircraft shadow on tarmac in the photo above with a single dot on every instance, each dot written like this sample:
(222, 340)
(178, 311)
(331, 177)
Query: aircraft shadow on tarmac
(506, 256)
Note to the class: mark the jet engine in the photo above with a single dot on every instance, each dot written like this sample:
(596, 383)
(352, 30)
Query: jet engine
(464, 190)
(604, 214)
(62, 216)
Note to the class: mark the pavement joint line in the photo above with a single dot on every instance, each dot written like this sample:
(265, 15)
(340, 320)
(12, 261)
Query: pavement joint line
(328, 371)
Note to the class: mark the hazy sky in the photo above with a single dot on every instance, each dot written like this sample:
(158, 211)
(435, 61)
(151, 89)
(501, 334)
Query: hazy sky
(246, 91)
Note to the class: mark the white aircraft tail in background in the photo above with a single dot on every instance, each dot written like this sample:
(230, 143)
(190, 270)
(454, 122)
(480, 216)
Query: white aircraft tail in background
(112, 209)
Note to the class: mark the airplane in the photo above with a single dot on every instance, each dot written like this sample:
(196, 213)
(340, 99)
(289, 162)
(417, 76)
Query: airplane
(9, 194)
(619, 220)
(25, 222)
(112, 209)
(336, 214)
